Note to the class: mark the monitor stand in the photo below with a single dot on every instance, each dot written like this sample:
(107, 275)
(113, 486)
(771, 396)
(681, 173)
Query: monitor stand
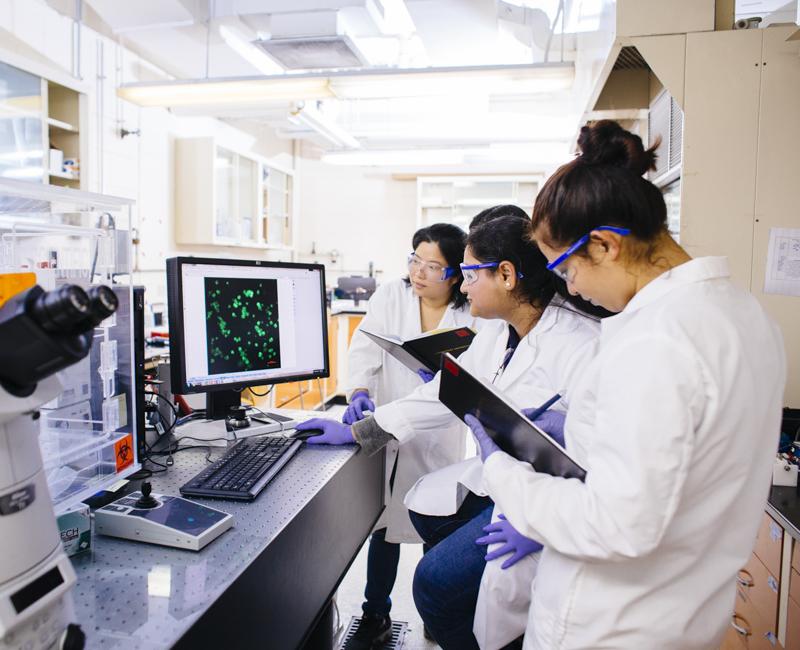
(219, 402)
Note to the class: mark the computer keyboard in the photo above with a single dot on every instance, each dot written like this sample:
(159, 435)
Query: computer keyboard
(244, 470)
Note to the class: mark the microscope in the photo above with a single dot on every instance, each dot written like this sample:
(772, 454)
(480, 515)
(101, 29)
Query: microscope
(41, 333)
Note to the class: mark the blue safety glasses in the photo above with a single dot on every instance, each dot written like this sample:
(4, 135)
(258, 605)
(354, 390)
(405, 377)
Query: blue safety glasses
(556, 263)
(470, 271)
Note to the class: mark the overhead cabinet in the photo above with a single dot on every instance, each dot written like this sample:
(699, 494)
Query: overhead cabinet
(457, 199)
(227, 198)
(42, 129)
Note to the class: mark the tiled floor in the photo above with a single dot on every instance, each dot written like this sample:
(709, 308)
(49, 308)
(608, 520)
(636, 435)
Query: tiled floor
(351, 591)
(351, 595)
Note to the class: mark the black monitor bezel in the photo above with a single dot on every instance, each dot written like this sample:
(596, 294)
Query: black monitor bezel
(177, 350)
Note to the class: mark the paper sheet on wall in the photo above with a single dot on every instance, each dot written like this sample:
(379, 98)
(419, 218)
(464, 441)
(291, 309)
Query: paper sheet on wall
(783, 262)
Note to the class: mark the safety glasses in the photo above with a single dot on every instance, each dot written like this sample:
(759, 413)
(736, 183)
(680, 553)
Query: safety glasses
(431, 270)
(470, 271)
(556, 265)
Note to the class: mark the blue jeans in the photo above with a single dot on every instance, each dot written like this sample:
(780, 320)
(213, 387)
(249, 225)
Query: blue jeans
(447, 581)
(382, 560)
(434, 529)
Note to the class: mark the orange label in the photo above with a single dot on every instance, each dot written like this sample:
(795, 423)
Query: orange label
(123, 452)
(12, 283)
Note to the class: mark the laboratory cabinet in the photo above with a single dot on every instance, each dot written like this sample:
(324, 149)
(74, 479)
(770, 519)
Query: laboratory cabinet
(230, 198)
(55, 237)
(766, 611)
(42, 129)
(456, 199)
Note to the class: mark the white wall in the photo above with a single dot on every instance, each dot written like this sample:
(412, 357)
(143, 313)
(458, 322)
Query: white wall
(36, 38)
(363, 215)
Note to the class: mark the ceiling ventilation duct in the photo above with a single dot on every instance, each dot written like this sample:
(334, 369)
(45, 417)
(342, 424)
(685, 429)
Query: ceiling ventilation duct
(313, 52)
(311, 41)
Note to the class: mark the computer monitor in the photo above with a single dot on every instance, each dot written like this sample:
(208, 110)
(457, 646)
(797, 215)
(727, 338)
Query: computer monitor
(355, 288)
(239, 323)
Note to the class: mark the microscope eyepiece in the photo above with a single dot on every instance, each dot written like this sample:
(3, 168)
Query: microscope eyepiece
(102, 303)
(61, 309)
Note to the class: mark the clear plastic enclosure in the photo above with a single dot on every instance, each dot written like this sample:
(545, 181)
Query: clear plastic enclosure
(63, 236)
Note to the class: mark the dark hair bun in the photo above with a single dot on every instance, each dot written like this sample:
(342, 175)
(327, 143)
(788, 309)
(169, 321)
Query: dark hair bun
(605, 142)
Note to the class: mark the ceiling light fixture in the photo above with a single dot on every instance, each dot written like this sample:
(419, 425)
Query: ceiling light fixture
(309, 117)
(511, 80)
(534, 154)
(226, 93)
(397, 157)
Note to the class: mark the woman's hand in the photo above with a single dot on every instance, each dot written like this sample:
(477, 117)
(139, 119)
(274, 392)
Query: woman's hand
(502, 532)
(333, 432)
(486, 445)
(359, 402)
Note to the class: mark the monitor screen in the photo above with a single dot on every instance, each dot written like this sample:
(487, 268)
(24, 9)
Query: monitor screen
(236, 323)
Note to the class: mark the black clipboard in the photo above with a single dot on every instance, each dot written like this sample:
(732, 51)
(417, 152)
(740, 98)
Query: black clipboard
(464, 394)
(425, 351)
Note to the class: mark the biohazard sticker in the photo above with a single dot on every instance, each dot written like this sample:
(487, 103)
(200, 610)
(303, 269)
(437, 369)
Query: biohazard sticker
(123, 452)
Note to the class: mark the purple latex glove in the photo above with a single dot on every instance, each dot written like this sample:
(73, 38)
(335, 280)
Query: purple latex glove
(485, 443)
(425, 375)
(551, 422)
(359, 402)
(502, 532)
(334, 433)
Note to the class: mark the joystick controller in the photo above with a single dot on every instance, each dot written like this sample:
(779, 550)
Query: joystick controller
(146, 501)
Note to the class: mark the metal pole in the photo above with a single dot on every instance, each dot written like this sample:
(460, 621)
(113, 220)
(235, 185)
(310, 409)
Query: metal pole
(76, 39)
(208, 35)
(100, 111)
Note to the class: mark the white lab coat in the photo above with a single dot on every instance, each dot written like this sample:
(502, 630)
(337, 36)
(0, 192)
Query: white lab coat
(549, 359)
(394, 310)
(676, 421)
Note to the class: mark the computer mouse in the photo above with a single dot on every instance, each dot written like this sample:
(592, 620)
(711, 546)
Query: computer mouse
(305, 434)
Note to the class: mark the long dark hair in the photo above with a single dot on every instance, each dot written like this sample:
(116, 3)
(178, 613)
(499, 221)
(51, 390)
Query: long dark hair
(497, 211)
(604, 185)
(505, 238)
(451, 241)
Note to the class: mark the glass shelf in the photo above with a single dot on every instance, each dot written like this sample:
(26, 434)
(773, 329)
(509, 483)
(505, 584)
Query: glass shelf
(64, 236)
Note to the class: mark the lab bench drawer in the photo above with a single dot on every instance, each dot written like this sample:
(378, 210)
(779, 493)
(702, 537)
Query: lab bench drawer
(753, 631)
(759, 588)
(793, 626)
(769, 544)
(794, 584)
(732, 640)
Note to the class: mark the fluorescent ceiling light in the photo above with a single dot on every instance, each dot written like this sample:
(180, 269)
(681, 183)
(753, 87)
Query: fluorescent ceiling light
(248, 52)
(226, 93)
(397, 157)
(546, 153)
(311, 118)
(517, 80)
(481, 80)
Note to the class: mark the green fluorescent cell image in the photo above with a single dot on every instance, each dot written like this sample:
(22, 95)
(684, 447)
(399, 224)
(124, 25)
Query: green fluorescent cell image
(242, 325)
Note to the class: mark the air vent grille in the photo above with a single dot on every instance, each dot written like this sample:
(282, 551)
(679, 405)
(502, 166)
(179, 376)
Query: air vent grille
(312, 53)
(629, 58)
(665, 121)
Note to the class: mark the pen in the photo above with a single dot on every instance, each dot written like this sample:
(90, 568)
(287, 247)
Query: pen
(535, 414)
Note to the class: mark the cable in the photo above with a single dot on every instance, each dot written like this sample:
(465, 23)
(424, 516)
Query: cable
(171, 405)
(269, 390)
(338, 627)
(175, 413)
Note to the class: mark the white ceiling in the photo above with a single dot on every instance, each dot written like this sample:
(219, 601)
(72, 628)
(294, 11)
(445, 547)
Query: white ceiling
(183, 39)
